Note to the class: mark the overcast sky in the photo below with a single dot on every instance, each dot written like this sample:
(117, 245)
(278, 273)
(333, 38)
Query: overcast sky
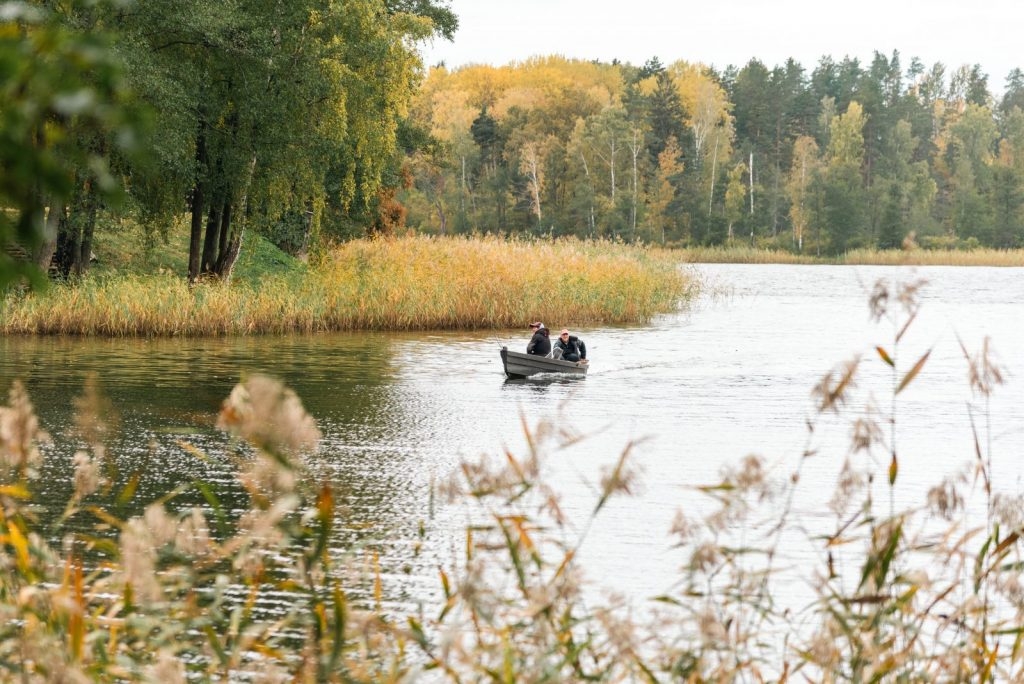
(723, 32)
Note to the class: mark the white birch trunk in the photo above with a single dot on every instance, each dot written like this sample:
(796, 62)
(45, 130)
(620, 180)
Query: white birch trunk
(714, 164)
(586, 172)
(635, 149)
(751, 198)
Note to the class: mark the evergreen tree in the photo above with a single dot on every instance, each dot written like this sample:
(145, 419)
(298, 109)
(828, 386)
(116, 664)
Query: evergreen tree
(891, 227)
(1008, 208)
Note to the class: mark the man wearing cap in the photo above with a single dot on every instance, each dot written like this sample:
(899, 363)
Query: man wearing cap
(540, 344)
(571, 346)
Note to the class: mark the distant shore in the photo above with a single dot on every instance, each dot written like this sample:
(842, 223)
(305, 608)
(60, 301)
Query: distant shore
(892, 257)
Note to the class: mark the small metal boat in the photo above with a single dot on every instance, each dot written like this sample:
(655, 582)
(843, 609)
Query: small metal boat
(519, 365)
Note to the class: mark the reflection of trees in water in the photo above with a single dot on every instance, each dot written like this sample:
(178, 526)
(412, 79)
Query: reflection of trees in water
(165, 394)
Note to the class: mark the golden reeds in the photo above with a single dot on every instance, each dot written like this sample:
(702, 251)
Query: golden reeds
(935, 257)
(745, 254)
(411, 283)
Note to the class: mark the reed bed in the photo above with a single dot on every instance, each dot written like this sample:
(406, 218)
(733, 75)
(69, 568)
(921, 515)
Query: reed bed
(927, 594)
(745, 254)
(410, 283)
(917, 256)
(936, 257)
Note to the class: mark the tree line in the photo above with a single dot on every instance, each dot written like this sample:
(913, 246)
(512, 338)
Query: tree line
(847, 155)
(315, 119)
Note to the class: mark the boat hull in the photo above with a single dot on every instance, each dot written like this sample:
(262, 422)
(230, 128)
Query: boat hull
(519, 365)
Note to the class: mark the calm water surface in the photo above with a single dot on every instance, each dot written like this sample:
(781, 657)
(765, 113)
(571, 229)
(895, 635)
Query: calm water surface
(730, 376)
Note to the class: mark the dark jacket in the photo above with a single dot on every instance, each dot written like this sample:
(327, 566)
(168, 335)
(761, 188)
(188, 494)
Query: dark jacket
(574, 347)
(539, 343)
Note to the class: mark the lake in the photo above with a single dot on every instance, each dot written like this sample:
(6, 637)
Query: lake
(728, 376)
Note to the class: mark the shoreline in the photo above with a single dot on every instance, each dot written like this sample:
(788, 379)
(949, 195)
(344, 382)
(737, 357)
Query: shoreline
(401, 284)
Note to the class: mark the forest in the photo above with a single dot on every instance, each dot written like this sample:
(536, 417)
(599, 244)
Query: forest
(846, 155)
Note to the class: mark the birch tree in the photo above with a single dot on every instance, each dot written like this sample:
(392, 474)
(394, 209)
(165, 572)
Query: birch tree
(735, 196)
(805, 168)
(584, 190)
(843, 185)
(531, 165)
(663, 196)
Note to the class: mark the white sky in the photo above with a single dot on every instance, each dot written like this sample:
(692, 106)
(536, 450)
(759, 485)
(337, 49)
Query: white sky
(722, 32)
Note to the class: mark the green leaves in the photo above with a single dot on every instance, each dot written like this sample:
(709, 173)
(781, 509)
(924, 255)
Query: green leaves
(62, 95)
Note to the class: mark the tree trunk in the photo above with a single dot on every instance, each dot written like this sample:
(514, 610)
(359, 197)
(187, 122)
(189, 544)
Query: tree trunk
(212, 240)
(226, 262)
(751, 199)
(611, 167)
(586, 172)
(85, 219)
(68, 245)
(462, 189)
(74, 241)
(307, 232)
(636, 182)
(225, 227)
(231, 241)
(223, 236)
(195, 238)
(67, 258)
(534, 175)
(441, 216)
(85, 254)
(196, 235)
(714, 163)
(43, 255)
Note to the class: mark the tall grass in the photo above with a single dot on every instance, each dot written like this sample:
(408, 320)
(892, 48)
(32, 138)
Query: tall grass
(746, 254)
(928, 594)
(936, 257)
(411, 283)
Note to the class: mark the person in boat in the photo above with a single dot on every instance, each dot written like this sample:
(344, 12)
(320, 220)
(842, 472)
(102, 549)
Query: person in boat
(540, 343)
(570, 346)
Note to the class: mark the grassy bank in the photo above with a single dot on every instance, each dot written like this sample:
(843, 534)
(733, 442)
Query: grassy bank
(410, 283)
(123, 247)
(878, 257)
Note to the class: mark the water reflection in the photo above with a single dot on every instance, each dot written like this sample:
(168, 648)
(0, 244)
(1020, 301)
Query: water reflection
(544, 380)
(163, 393)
